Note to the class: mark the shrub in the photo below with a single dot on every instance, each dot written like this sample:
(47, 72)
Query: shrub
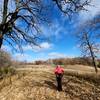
(5, 59)
(7, 71)
(11, 71)
(98, 65)
(1, 72)
(5, 64)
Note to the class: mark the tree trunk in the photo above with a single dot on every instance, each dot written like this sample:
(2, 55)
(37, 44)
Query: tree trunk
(91, 53)
(94, 63)
(5, 10)
(1, 41)
(93, 59)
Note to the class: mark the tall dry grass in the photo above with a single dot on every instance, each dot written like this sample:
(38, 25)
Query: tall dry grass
(41, 85)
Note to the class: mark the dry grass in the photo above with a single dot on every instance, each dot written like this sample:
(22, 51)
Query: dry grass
(40, 84)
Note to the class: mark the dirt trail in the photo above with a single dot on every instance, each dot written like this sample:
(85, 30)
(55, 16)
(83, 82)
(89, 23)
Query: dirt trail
(41, 85)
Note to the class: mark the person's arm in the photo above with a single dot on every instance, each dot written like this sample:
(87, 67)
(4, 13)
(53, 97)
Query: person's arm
(55, 71)
(62, 70)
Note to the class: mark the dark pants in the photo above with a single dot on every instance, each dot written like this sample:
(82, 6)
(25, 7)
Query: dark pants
(59, 82)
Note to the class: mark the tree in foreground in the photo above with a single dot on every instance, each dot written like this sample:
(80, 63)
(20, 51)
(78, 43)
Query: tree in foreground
(21, 19)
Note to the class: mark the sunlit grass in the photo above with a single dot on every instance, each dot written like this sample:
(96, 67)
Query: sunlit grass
(41, 85)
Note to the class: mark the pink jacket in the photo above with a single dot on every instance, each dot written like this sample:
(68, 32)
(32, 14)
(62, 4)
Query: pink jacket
(59, 70)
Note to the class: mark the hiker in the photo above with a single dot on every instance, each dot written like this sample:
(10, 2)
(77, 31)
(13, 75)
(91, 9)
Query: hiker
(59, 74)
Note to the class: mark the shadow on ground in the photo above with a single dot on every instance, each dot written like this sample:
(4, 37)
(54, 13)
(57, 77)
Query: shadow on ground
(50, 84)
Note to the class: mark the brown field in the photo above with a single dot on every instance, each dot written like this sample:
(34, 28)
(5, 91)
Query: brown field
(38, 83)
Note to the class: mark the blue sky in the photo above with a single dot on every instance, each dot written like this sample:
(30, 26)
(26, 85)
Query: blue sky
(60, 32)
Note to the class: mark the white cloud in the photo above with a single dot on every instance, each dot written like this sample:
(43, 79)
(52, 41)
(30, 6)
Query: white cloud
(42, 47)
(1, 9)
(93, 10)
(56, 55)
(60, 55)
(45, 45)
(26, 47)
(56, 29)
(22, 57)
(6, 48)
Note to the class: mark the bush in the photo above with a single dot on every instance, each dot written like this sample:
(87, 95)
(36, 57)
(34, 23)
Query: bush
(11, 71)
(7, 71)
(5, 59)
(1, 72)
(98, 65)
(5, 64)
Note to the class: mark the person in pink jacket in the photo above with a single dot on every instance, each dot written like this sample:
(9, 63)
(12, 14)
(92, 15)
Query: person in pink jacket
(59, 74)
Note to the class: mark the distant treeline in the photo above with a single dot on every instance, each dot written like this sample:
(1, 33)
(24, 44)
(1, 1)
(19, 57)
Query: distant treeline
(6, 61)
(68, 61)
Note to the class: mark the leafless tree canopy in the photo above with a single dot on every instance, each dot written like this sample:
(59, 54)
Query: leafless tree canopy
(89, 39)
(21, 19)
(72, 6)
(21, 25)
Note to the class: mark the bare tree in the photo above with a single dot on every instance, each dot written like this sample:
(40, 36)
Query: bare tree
(89, 46)
(69, 7)
(20, 23)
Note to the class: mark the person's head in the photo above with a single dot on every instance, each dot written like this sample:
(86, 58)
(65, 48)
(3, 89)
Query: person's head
(58, 66)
